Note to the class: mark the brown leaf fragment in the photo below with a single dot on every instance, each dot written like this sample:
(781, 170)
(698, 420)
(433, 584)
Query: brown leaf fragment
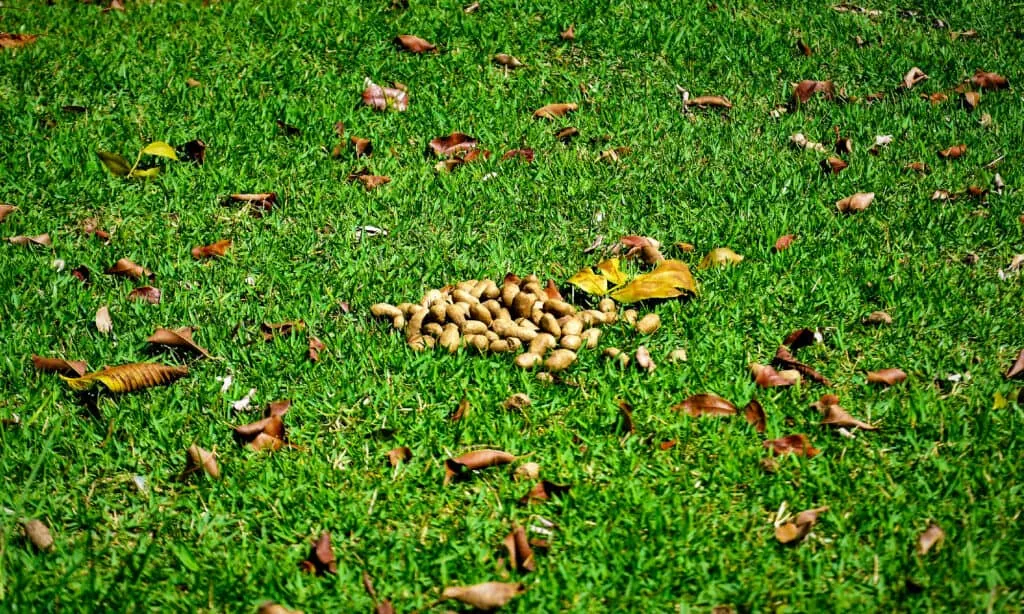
(878, 318)
(970, 100)
(486, 596)
(525, 154)
(177, 337)
(953, 152)
(384, 98)
(667, 445)
(361, 147)
(115, 5)
(943, 195)
(213, 250)
(783, 243)
(802, 47)
(266, 434)
(833, 165)
(797, 444)
(399, 455)
(844, 145)
(103, 322)
(369, 181)
(855, 202)
(989, 80)
(753, 412)
(543, 491)
(767, 377)
(800, 338)
(38, 533)
(43, 240)
(929, 538)
(720, 257)
(936, 98)
(506, 60)
(282, 329)
(315, 347)
(519, 550)
(126, 268)
(1017, 367)
(887, 377)
(446, 146)
(259, 204)
(413, 44)
(703, 102)
(471, 461)
(807, 88)
(614, 154)
(198, 459)
(965, 34)
(193, 151)
(278, 408)
(626, 412)
(569, 33)
(5, 209)
(460, 411)
(147, 294)
(10, 40)
(917, 167)
(800, 526)
(707, 404)
(835, 415)
(71, 368)
(517, 401)
(128, 378)
(785, 359)
(566, 134)
(555, 110)
(192, 82)
(914, 76)
(321, 558)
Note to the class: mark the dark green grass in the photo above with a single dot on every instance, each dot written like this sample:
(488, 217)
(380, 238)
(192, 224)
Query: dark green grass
(642, 529)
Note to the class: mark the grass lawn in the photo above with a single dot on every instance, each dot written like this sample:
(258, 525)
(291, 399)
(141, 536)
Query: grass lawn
(642, 528)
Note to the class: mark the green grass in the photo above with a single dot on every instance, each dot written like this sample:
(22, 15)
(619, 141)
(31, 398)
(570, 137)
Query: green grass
(642, 529)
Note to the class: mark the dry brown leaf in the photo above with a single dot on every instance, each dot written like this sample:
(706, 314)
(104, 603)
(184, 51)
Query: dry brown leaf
(614, 154)
(543, 491)
(282, 329)
(767, 377)
(785, 359)
(446, 146)
(218, 249)
(797, 444)
(638, 245)
(720, 256)
(877, 318)
(707, 404)
(527, 471)
(799, 527)
(783, 243)
(103, 322)
(5, 209)
(517, 401)
(460, 411)
(398, 455)
(753, 412)
(943, 195)
(953, 152)
(471, 461)
(626, 412)
(147, 294)
(192, 82)
(835, 415)
(844, 145)
(918, 167)
(486, 596)
(414, 44)
(177, 337)
(526, 155)
(71, 368)
(259, 204)
(266, 434)
(914, 76)
(369, 181)
(198, 459)
(507, 60)
(384, 98)
(833, 165)
(807, 88)
(126, 268)
(128, 378)
(43, 240)
(1017, 367)
(929, 538)
(802, 47)
(315, 347)
(856, 202)
(970, 100)
(321, 557)
(703, 102)
(519, 551)
(566, 134)
(361, 147)
(555, 110)
(989, 80)
(887, 377)
(569, 33)
(38, 533)
(10, 40)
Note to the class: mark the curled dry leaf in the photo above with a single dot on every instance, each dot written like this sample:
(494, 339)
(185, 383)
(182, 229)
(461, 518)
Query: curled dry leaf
(91, 227)
(785, 359)
(177, 337)
(931, 536)
(526, 155)
(707, 404)
(148, 294)
(517, 401)
(626, 413)
(887, 377)
(833, 165)
(370, 182)
(259, 204)
(917, 167)
(477, 459)
(71, 368)
(767, 377)
(878, 318)
(783, 243)
(566, 134)
(126, 268)
(718, 257)
(361, 147)
(508, 61)
(9, 40)
(797, 444)
(519, 551)
(321, 557)
(803, 91)
(914, 76)
(555, 110)
(844, 145)
(486, 596)
(460, 411)
(282, 329)
(128, 378)
(953, 152)
(527, 471)
(800, 141)
(989, 80)
(266, 434)
(1017, 368)
(399, 455)
(703, 102)
(446, 146)
(754, 414)
(43, 240)
(5, 209)
(943, 195)
(414, 44)
(103, 322)
(970, 100)
(38, 533)
(646, 247)
(799, 528)
(569, 33)
(543, 491)
(384, 98)
(856, 202)
(198, 459)
(315, 347)
(218, 249)
(835, 415)
(614, 154)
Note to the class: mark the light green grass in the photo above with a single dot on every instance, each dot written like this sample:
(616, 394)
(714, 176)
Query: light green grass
(641, 529)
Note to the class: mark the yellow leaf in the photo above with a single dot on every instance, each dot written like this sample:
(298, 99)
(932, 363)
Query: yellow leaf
(720, 256)
(999, 401)
(670, 279)
(127, 378)
(159, 148)
(610, 270)
(590, 282)
(115, 163)
(146, 173)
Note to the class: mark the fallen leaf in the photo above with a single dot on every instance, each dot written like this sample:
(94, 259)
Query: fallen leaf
(115, 5)
(804, 90)
(103, 322)
(555, 110)
(844, 145)
(798, 529)
(519, 550)
(315, 347)
(128, 378)
(361, 147)
(369, 181)
(643, 359)
(193, 151)
(671, 278)
(706, 405)
(36, 530)
(551, 291)
(460, 411)
(6, 209)
(517, 401)
(785, 359)
(1017, 367)
(507, 61)
(783, 243)
(177, 337)
(399, 455)
(282, 329)
(888, 377)
(414, 44)
(989, 80)
(486, 596)
(835, 415)
(754, 414)
(767, 377)
(569, 33)
(126, 268)
(525, 154)
(148, 294)
(192, 82)
(914, 76)
(218, 249)
(43, 240)
(590, 282)
(954, 152)
(800, 141)
(10, 40)
(970, 100)
(446, 146)
(919, 167)
(802, 47)
(384, 98)
(543, 491)
(646, 247)
(718, 257)
(566, 134)
(527, 471)
(609, 269)
(626, 412)
(614, 154)
(259, 204)
(268, 433)
(877, 318)
(703, 102)
(833, 165)
(75, 368)
(943, 195)
(856, 202)
(198, 459)
(929, 538)
(321, 557)
(471, 461)
(936, 98)
(115, 163)
(82, 274)
(792, 444)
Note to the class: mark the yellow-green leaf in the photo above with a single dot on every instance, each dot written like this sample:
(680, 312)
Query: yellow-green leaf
(590, 282)
(610, 270)
(159, 148)
(127, 378)
(146, 173)
(115, 163)
(999, 401)
(720, 256)
(670, 279)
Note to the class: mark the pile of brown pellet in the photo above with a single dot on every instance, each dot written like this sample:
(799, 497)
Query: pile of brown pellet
(514, 315)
